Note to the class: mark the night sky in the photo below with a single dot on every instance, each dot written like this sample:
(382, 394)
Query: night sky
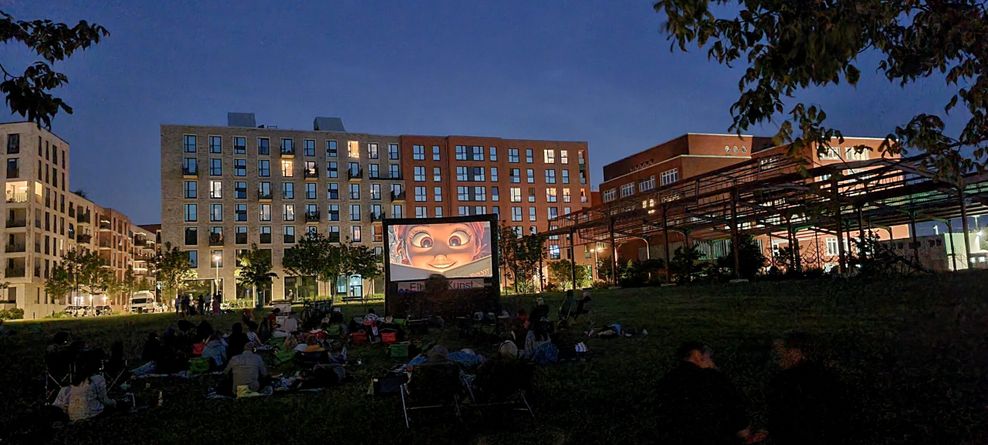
(600, 71)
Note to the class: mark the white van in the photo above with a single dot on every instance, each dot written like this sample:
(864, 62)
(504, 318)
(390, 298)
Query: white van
(142, 302)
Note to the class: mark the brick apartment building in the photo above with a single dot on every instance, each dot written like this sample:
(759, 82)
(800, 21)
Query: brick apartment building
(693, 154)
(43, 220)
(227, 187)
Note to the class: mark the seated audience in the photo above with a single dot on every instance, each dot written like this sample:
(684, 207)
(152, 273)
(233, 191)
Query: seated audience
(698, 404)
(806, 401)
(215, 351)
(86, 398)
(252, 333)
(247, 373)
(235, 341)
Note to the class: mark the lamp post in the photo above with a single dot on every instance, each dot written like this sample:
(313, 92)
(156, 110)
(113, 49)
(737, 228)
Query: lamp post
(216, 264)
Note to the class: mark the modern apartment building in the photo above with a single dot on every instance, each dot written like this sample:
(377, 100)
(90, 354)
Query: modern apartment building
(44, 220)
(689, 156)
(225, 188)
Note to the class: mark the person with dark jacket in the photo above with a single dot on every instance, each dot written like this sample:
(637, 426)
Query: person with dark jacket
(807, 404)
(699, 405)
(235, 341)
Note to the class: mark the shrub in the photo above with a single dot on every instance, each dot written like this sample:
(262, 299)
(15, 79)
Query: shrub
(12, 314)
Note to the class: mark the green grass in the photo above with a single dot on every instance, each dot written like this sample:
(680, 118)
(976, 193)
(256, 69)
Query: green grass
(913, 350)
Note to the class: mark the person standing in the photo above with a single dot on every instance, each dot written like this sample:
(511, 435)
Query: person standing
(699, 405)
(807, 404)
(217, 303)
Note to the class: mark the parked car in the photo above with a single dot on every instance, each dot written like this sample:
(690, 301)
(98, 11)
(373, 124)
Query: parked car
(102, 310)
(75, 311)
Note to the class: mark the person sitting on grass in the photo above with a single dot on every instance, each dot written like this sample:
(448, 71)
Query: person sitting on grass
(235, 341)
(252, 333)
(806, 401)
(215, 351)
(86, 398)
(699, 405)
(248, 374)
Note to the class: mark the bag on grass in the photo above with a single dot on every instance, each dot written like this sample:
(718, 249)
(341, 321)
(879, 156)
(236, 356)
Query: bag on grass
(198, 365)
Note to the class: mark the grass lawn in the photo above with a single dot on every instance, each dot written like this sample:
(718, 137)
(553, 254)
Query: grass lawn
(912, 349)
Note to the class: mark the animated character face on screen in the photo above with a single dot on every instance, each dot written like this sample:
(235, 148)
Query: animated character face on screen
(439, 247)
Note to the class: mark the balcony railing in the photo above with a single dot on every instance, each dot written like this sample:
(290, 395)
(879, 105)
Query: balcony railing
(190, 171)
(376, 216)
(84, 238)
(399, 196)
(105, 244)
(355, 173)
(13, 272)
(263, 195)
(289, 239)
(215, 239)
(288, 151)
(241, 238)
(104, 225)
(16, 247)
(17, 222)
(17, 197)
(265, 238)
(310, 173)
(312, 217)
(83, 218)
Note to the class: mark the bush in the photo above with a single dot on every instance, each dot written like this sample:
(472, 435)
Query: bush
(12, 314)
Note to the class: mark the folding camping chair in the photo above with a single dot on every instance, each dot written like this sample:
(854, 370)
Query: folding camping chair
(502, 383)
(566, 308)
(431, 386)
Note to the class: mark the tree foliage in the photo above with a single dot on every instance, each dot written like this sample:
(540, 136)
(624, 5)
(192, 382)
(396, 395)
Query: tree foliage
(255, 270)
(28, 93)
(686, 263)
(787, 46)
(172, 269)
(316, 256)
(561, 274)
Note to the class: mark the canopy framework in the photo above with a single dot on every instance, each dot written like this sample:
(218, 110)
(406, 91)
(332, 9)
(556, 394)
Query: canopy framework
(777, 194)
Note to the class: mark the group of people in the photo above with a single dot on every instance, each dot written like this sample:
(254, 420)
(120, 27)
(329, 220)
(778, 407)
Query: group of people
(698, 403)
(188, 306)
(81, 371)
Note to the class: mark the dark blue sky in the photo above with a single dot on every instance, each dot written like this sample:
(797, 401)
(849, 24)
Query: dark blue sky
(599, 71)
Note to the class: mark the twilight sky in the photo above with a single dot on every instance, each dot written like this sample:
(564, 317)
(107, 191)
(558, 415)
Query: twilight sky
(599, 71)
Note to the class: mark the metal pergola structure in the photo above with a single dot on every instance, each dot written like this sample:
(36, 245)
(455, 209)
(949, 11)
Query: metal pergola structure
(777, 194)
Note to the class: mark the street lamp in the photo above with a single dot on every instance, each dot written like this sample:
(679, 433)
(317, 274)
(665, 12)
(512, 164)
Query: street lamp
(596, 263)
(216, 263)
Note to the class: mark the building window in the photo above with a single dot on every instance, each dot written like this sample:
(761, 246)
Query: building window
(289, 235)
(331, 149)
(353, 149)
(461, 153)
(396, 211)
(265, 235)
(832, 249)
(264, 168)
(668, 177)
(480, 194)
(263, 146)
(492, 154)
(437, 194)
(564, 156)
(239, 145)
(354, 191)
(437, 174)
(287, 146)
(375, 192)
(463, 193)
(418, 174)
(516, 213)
(193, 259)
(420, 195)
(565, 174)
(374, 171)
(240, 235)
(191, 236)
(354, 212)
(418, 152)
(394, 171)
(215, 189)
(240, 189)
(241, 212)
(286, 168)
(513, 155)
(333, 234)
(372, 152)
(13, 143)
(190, 213)
(493, 174)
(420, 212)
(461, 173)
(239, 167)
(515, 194)
(288, 190)
(529, 156)
(334, 212)
(566, 196)
(532, 213)
(333, 191)
(216, 212)
(215, 144)
(264, 190)
(494, 193)
(609, 195)
(647, 184)
(332, 170)
(264, 212)
(310, 190)
(549, 156)
(463, 210)
(190, 189)
(515, 175)
(215, 167)
(190, 143)
(550, 194)
(393, 152)
(435, 153)
(477, 174)
(553, 213)
(550, 176)
(355, 234)
(288, 212)
(531, 194)
(478, 153)
(531, 175)
(309, 147)
(437, 212)
(627, 189)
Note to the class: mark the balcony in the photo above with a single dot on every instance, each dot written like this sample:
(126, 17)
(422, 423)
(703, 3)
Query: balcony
(140, 242)
(399, 196)
(83, 218)
(289, 239)
(355, 173)
(105, 244)
(16, 222)
(241, 238)
(262, 196)
(190, 172)
(14, 272)
(84, 238)
(310, 173)
(312, 217)
(105, 225)
(15, 248)
(377, 216)
(288, 152)
(265, 238)
(215, 239)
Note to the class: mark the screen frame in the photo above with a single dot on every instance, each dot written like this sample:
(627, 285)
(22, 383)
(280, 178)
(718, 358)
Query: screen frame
(495, 250)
